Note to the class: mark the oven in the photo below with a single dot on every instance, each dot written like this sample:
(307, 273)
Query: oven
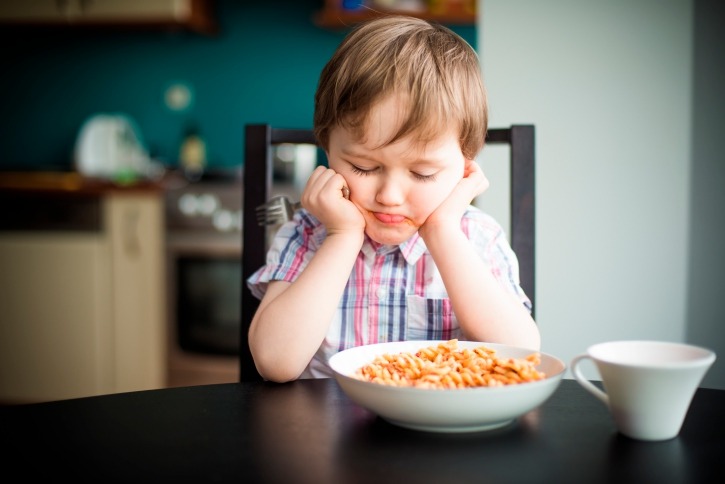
(204, 247)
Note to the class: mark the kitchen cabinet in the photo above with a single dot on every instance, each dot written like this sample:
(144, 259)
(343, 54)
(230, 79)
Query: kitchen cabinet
(193, 15)
(82, 307)
(342, 14)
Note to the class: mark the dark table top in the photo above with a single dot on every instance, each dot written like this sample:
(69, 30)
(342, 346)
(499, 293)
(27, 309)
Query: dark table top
(309, 431)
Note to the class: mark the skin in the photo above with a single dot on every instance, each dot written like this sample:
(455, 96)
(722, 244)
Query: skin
(395, 191)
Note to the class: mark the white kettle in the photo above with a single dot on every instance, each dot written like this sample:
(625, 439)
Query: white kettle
(109, 146)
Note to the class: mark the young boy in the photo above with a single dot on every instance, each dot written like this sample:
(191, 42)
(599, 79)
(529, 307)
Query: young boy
(401, 113)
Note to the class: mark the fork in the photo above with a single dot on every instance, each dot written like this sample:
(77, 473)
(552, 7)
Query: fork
(277, 210)
(281, 209)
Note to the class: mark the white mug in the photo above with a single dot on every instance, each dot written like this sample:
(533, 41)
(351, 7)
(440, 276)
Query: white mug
(648, 385)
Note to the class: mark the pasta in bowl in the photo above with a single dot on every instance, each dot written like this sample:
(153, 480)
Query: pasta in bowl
(447, 386)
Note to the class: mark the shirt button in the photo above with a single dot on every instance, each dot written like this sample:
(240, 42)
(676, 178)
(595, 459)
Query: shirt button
(381, 293)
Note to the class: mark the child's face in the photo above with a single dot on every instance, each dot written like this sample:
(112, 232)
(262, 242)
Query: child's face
(398, 186)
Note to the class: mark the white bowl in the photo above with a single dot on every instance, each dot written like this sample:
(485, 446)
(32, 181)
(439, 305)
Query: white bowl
(449, 410)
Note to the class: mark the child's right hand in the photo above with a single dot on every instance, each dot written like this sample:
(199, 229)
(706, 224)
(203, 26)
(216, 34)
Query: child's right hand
(324, 198)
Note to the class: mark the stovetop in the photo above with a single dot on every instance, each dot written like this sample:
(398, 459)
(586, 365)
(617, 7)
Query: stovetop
(213, 205)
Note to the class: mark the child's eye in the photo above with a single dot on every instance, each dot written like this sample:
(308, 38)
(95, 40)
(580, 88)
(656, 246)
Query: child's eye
(361, 171)
(424, 178)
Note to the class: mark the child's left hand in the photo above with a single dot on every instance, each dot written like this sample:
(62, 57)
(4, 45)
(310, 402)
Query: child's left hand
(450, 212)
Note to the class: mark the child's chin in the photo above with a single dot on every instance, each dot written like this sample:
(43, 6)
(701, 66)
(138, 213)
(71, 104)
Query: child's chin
(391, 236)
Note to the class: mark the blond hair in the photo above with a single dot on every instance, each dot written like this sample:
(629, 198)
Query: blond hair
(430, 67)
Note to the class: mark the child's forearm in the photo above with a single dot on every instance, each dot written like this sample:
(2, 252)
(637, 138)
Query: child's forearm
(485, 311)
(289, 327)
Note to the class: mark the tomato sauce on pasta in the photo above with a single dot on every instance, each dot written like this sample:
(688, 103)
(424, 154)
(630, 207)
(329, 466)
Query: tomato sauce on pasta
(446, 366)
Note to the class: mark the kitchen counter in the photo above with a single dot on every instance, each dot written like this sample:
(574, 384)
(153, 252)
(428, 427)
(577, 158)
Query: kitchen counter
(71, 183)
(82, 286)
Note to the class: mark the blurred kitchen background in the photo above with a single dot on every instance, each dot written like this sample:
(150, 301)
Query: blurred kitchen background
(123, 134)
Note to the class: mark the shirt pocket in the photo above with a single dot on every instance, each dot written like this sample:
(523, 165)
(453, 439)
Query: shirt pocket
(430, 319)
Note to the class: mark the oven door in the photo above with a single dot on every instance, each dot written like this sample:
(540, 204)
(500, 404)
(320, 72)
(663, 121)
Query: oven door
(204, 306)
(205, 277)
(208, 303)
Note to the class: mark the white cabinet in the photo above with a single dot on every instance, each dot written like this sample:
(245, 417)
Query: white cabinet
(82, 311)
(135, 233)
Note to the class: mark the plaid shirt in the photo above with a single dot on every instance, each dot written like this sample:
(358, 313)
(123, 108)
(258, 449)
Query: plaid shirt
(394, 293)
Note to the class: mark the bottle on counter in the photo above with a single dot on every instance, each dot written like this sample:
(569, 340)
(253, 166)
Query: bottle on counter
(192, 154)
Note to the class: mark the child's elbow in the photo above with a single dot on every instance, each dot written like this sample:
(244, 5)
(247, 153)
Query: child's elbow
(278, 375)
(274, 369)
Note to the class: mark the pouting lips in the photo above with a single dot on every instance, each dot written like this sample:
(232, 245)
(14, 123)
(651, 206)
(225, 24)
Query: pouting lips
(389, 218)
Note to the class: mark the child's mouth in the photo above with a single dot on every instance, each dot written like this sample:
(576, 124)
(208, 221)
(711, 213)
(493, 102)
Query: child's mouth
(387, 218)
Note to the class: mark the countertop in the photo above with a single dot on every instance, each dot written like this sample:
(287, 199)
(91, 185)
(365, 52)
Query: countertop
(73, 183)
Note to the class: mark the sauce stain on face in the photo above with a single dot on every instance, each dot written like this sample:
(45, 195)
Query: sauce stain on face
(392, 219)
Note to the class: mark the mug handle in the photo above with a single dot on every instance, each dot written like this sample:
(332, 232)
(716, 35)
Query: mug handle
(589, 386)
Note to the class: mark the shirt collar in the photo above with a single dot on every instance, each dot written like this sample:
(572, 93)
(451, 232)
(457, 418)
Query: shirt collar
(411, 250)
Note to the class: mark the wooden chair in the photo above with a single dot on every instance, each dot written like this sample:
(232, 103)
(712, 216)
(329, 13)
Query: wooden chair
(258, 170)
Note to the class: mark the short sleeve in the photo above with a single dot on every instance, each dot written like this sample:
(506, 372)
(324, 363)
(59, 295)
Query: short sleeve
(491, 243)
(292, 248)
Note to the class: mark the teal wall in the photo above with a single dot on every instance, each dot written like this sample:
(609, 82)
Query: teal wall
(261, 67)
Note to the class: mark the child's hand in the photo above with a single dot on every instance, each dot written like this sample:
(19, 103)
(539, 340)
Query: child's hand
(449, 213)
(324, 197)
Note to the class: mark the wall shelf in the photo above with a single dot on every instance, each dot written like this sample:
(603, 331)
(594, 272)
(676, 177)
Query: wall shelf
(447, 12)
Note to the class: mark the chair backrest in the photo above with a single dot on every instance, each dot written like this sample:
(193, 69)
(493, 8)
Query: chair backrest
(258, 170)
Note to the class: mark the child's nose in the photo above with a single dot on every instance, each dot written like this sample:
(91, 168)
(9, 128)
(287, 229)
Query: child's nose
(390, 192)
